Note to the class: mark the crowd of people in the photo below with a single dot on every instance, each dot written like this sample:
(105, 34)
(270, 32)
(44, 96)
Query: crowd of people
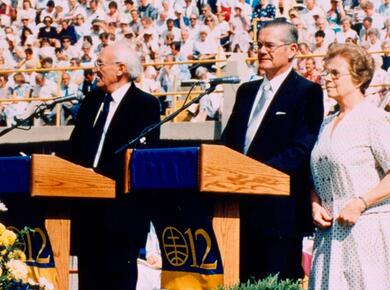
(50, 34)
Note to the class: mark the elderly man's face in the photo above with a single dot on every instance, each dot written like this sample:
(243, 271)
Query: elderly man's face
(273, 53)
(106, 69)
(65, 80)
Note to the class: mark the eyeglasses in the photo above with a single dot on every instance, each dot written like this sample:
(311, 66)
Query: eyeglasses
(334, 74)
(99, 64)
(270, 47)
(65, 40)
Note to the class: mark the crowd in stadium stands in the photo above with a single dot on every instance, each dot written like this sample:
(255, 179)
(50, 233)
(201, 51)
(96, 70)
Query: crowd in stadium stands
(50, 34)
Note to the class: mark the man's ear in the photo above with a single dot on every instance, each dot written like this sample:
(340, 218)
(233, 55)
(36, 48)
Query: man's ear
(122, 69)
(292, 50)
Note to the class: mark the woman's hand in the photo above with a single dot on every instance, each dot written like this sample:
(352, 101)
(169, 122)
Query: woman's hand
(321, 216)
(350, 213)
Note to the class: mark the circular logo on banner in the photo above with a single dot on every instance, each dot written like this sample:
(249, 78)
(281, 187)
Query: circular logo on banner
(175, 246)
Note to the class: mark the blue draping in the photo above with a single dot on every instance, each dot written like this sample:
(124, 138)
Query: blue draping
(14, 175)
(26, 211)
(164, 168)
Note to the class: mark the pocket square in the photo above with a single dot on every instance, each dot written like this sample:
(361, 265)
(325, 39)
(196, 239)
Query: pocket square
(280, 113)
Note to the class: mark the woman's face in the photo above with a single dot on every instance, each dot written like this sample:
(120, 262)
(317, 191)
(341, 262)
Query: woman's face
(346, 25)
(338, 79)
(26, 5)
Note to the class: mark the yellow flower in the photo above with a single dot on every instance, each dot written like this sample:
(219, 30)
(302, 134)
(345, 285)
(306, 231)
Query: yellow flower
(7, 238)
(18, 255)
(17, 269)
(2, 228)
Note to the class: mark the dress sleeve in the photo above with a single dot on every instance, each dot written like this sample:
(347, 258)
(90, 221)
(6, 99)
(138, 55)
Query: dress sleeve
(379, 131)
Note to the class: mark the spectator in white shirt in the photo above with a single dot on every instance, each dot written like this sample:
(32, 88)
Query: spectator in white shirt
(186, 44)
(171, 28)
(204, 47)
(377, 19)
(384, 9)
(346, 30)
(322, 24)
(69, 50)
(193, 28)
(82, 28)
(95, 11)
(374, 40)
(48, 11)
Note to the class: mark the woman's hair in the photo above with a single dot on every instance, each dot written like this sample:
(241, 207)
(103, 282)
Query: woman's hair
(361, 64)
(23, 36)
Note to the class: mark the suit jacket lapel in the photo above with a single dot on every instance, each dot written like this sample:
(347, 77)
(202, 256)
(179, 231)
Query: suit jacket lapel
(125, 104)
(281, 97)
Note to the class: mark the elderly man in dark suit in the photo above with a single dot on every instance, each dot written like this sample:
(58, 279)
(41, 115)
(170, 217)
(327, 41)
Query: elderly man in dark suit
(276, 121)
(110, 233)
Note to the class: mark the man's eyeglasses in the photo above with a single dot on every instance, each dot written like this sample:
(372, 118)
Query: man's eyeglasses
(99, 64)
(270, 47)
(334, 74)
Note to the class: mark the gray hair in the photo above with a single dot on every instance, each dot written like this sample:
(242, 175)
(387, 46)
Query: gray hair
(373, 31)
(128, 56)
(290, 34)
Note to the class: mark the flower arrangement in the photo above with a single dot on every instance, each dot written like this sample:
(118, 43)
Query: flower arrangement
(13, 267)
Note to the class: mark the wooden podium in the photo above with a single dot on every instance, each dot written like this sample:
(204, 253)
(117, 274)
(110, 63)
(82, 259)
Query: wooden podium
(227, 174)
(223, 172)
(52, 176)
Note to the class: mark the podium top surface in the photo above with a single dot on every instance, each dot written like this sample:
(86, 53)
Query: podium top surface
(51, 176)
(210, 168)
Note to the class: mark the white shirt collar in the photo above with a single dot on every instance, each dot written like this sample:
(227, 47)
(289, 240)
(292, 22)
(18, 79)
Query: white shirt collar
(120, 92)
(277, 81)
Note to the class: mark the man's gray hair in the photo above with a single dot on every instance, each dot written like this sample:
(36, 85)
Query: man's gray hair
(291, 32)
(129, 57)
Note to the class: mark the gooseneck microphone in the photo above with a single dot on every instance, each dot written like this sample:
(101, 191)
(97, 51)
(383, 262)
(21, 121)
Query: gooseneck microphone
(225, 80)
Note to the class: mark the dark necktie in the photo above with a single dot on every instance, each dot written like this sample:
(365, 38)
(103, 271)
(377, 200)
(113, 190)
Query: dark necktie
(99, 125)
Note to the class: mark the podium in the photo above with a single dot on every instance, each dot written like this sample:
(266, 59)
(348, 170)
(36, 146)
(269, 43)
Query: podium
(47, 176)
(222, 174)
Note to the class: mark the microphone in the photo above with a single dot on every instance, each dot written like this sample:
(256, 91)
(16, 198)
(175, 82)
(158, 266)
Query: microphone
(56, 101)
(213, 81)
(225, 80)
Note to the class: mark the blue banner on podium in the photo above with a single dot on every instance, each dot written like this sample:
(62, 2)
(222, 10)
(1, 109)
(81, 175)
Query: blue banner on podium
(26, 212)
(190, 254)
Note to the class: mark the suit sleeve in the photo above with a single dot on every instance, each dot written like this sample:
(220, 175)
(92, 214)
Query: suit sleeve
(297, 155)
(230, 136)
(154, 115)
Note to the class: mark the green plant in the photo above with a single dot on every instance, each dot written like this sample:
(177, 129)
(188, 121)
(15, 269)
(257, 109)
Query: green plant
(271, 282)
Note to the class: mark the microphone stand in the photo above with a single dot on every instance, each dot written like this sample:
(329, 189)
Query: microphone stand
(149, 129)
(37, 113)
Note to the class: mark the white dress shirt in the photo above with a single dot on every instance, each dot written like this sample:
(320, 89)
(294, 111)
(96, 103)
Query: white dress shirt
(117, 97)
(274, 85)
